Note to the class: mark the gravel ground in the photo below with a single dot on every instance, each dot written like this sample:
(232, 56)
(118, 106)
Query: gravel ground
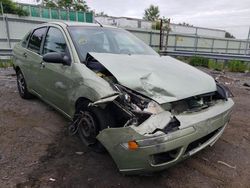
(36, 150)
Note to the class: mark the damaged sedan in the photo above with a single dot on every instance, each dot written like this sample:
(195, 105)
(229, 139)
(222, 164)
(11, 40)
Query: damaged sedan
(148, 111)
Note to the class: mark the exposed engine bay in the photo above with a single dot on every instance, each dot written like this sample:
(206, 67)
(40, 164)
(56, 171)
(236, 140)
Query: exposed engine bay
(131, 108)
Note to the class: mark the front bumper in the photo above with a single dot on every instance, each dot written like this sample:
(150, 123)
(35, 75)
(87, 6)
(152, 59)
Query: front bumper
(199, 130)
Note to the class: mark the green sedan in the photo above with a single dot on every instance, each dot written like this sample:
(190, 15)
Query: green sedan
(148, 111)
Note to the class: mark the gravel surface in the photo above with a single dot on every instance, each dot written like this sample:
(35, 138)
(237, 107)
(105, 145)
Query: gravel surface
(37, 151)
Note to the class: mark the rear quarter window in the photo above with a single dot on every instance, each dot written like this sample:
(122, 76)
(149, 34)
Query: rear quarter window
(36, 40)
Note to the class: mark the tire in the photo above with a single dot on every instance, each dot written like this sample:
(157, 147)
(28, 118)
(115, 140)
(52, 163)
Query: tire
(22, 86)
(91, 120)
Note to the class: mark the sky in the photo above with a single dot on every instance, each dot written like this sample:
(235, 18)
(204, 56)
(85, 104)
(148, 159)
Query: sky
(230, 15)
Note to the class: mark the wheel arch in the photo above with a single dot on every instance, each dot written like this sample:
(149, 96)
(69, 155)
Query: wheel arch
(16, 68)
(81, 100)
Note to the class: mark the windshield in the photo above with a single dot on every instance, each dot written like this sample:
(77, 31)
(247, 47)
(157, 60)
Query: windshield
(107, 40)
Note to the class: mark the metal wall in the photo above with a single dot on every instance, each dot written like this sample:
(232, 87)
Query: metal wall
(185, 42)
(13, 28)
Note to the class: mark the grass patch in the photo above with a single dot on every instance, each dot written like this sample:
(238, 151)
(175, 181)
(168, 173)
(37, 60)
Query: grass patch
(5, 63)
(232, 66)
(199, 61)
(237, 66)
(212, 64)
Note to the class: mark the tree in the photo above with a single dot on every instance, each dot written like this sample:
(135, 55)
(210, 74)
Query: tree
(165, 24)
(77, 5)
(50, 4)
(80, 5)
(12, 8)
(229, 35)
(101, 14)
(152, 13)
(186, 24)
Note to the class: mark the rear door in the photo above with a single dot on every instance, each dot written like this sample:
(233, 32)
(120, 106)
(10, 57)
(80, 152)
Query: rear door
(33, 57)
(55, 78)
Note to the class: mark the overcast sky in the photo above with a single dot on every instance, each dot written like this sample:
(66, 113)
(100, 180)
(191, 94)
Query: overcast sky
(230, 15)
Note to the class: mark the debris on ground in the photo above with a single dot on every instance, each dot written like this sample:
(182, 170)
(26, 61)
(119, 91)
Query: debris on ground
(52, 179)
(228, 165)
(246, 84)
(79, 153)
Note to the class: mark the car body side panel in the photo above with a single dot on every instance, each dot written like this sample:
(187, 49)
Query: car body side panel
(20, 61)
(86, 84)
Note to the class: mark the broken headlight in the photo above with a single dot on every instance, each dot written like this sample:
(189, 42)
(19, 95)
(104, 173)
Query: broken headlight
(153, 108)
(223, 92)
(137, 102)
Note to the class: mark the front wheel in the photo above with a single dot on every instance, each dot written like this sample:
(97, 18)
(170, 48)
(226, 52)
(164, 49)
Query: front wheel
(22, 87)
(90, 120)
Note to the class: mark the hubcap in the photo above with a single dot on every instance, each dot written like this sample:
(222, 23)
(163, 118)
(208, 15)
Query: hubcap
(87, 127)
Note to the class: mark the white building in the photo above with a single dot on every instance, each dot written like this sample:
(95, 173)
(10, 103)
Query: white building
(31, 2)
(126, 22)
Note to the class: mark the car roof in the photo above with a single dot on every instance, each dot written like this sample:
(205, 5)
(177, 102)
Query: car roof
(72, 23)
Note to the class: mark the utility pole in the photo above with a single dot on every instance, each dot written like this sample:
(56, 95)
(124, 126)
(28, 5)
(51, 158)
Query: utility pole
(5, 19)
(161, 33)
(1, 7)
(168, 30)
(247, 42)
(1, 4)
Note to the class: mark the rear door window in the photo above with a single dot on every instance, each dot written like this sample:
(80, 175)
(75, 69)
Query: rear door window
(25, 40)
(36, 40)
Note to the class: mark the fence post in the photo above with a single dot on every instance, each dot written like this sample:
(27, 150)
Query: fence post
(239, 50)
(30, 10)
(227, 46)
(7, 31)
(196, 39)
(50, 14)
(1, 8)
(247, 41)
(212, 47)
(175, 42)
(150, 38)
(76, 13)
(59, 14)
(84, 20)
(40, 11)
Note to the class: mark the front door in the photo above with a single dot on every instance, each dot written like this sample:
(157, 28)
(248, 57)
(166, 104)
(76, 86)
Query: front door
(55, 78)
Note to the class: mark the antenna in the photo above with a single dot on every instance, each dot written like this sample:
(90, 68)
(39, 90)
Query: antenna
(98, 23)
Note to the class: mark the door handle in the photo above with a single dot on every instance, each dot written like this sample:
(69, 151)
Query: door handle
(25, 54)
(42, 65)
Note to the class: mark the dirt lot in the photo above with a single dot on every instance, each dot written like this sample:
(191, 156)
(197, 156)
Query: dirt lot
(36, 150)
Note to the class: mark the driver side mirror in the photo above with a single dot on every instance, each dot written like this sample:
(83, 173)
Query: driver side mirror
(58, 58)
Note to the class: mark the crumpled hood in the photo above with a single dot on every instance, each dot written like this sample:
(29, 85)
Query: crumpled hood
(162, 78)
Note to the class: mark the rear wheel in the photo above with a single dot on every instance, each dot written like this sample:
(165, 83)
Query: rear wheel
(22, 87)
(90, 120)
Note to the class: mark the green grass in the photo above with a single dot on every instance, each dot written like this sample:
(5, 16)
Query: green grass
(199, 61)
(212, 64)
(232, 66)
(237, 66)
(4, 63)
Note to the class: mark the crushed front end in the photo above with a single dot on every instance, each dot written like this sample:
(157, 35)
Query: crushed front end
(158, 137)
(159, 123)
